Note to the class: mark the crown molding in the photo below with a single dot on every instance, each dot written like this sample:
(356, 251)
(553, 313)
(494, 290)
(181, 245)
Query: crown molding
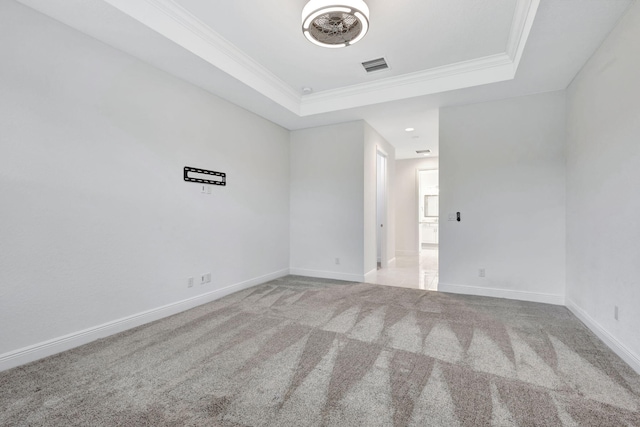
(523, 18)
(464, 74)
(180, 26)
(489, 69)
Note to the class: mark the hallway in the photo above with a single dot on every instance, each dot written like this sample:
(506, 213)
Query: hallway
(419, 272)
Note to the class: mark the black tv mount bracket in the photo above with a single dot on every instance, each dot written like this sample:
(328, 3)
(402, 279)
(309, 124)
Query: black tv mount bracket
(221, 176)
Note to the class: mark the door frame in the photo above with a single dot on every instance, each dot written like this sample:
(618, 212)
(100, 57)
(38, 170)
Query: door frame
(417, 205)
(382, 228)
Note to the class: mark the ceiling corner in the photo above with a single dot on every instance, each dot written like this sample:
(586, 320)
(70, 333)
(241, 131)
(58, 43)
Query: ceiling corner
(183, 28)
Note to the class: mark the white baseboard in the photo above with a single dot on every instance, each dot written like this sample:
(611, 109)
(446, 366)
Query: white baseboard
(327, 274)
(620, 349)
(370, 276)
(56, 345)
(502, 293)
(391, 262)
(407, 253)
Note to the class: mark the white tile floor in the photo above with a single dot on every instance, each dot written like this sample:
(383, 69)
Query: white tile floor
(420, 272)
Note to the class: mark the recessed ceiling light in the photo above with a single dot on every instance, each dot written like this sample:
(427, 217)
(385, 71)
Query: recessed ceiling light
(335, 23)
(409, 129)
(307, 90)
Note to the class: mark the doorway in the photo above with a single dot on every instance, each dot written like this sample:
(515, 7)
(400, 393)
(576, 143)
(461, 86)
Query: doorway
(410, 267)
(428, 226)
(381, 209)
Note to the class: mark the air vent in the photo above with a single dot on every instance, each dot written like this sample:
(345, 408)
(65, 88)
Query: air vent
(375, 65)
(425, 152)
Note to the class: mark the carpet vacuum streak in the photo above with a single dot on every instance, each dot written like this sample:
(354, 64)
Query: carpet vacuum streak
(311, 352)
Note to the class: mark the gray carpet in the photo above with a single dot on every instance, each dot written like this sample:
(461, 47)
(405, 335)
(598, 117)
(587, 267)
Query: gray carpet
(309, 352)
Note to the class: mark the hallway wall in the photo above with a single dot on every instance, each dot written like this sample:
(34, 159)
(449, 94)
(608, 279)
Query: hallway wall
(328, 201)
(333, 200)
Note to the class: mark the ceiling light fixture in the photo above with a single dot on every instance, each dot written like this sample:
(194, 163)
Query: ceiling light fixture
(335, 23)
(409, 129)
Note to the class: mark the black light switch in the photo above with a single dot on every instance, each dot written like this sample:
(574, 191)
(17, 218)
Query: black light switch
(458, 216)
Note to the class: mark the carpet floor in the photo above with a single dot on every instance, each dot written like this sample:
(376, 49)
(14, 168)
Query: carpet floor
(309, 352)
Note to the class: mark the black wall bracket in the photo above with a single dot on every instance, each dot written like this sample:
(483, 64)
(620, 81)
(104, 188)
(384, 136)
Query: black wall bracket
(217, 178)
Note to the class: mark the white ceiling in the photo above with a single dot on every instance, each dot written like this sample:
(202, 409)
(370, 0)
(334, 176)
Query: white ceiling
(270, 33)
(441, 52)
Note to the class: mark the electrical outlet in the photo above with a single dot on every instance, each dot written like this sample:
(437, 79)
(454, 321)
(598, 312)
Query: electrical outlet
(337, 261)
(190, 282)
(481, 272)
(615, 312)
(208, 277)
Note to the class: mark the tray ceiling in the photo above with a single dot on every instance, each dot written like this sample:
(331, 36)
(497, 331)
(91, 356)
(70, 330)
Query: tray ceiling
(441, 52)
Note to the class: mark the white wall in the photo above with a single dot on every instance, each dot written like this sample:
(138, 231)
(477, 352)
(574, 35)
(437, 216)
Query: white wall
(327, 201)
(372, 142)
(603, 202)
(333, 200)
(502, 166)
(96, 223)
(406, 209)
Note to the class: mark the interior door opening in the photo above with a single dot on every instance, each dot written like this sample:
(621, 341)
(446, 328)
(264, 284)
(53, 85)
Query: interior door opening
(381, 209)
(428, 226)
